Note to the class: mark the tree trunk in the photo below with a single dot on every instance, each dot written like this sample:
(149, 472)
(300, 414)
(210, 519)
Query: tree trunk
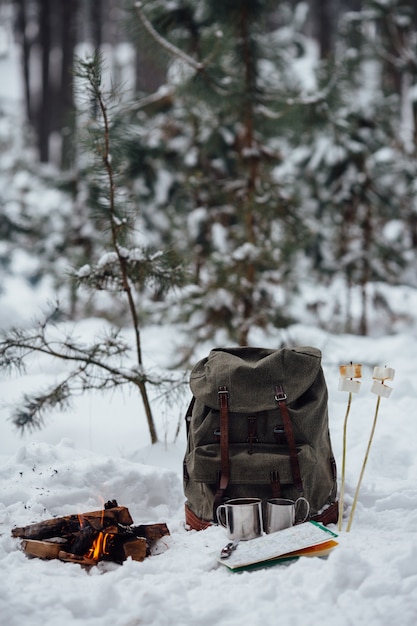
(322, 25)
(251, 162)
(96, 19)
(45, 108)
(22, 29)
(353, 5)
(367, 232)
(66, 97)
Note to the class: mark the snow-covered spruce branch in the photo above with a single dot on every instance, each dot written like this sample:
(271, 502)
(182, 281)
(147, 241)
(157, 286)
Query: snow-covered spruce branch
(29, 414)
(143, 267)
(406, 53)
(91, 369)
(18, 345)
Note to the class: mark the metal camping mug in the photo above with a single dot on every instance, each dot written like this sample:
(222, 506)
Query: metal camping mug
(282, 513)
(242, 518)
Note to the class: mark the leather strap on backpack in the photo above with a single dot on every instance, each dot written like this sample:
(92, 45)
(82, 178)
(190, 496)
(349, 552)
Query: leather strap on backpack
(189, 415)
(280, 397)
(224, 448)
(275, 484)
(328, 515)
(193, 522)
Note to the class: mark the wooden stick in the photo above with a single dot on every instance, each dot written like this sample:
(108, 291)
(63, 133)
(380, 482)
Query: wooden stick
(342, 486)
(355, 499)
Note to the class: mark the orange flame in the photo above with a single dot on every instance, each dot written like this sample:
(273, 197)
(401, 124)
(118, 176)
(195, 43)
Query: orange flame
(99, 547)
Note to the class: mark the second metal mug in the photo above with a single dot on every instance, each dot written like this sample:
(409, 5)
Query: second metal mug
(283, 513)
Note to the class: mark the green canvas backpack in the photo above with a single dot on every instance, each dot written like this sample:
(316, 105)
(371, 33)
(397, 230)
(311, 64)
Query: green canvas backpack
(257, 426)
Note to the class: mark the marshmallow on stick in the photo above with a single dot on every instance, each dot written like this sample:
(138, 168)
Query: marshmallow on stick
(347, 383)
(380, 375)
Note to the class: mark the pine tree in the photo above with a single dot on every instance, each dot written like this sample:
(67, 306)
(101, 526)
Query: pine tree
(121, 267)
(235, 89)
(360, 160)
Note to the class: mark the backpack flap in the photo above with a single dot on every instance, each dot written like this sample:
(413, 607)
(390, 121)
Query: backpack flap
(251, 374)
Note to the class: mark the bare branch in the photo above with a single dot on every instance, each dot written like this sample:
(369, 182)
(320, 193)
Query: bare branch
(164, 43)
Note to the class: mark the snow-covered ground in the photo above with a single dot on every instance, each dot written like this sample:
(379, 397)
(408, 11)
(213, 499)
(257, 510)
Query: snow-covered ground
(101, 451)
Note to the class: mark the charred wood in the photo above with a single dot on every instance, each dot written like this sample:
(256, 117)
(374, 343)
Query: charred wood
(61, 526)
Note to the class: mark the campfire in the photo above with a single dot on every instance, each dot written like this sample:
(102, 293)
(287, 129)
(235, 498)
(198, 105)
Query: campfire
(104, 535)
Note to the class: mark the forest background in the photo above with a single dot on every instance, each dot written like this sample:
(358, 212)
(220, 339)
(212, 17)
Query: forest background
(220, 167)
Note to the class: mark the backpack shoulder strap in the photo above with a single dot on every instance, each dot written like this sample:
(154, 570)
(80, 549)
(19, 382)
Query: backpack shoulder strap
(189, 415)
(280, 397)
(224, 447)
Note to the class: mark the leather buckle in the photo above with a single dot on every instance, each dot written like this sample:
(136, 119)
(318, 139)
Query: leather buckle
(280, 394)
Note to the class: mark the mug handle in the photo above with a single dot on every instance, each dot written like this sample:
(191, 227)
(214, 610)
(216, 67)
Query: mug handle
(220, 508)
(306, 504)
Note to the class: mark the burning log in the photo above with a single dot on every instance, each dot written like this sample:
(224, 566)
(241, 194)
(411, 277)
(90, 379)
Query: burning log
(68, 557)
(60, 526)
(152, 532)
(137, 549)
(42, 549)
(106, 535)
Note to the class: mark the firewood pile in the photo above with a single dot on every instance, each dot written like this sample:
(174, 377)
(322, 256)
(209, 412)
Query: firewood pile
(87, 538)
